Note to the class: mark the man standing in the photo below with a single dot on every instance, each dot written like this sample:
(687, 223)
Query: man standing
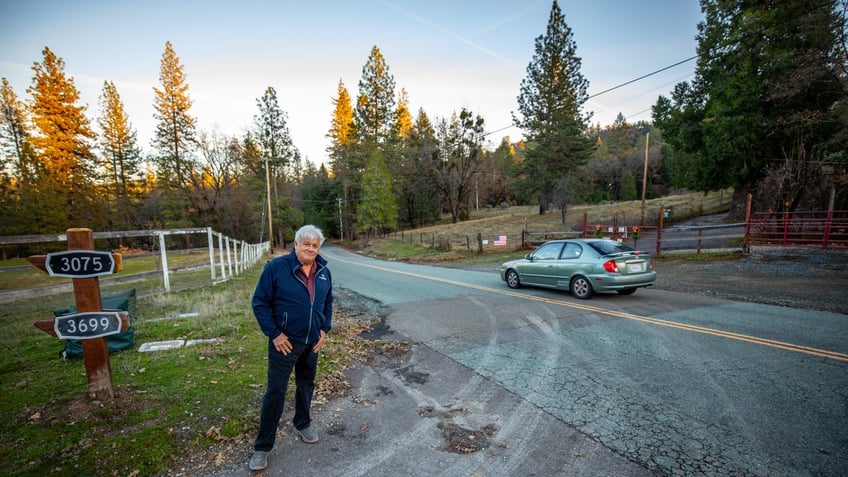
(293, 304)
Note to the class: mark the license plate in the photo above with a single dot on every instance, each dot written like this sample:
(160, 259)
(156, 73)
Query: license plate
(635, 267)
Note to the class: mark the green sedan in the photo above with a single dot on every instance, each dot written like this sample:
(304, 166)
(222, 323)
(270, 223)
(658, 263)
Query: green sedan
(582, 266)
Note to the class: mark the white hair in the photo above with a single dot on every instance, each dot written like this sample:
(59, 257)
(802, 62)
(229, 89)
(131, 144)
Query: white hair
(307, 232)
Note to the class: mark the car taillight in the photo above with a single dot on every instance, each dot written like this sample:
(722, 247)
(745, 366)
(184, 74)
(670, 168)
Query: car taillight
(610, 266)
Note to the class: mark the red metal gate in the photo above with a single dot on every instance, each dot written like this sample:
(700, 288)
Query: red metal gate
(820, 229)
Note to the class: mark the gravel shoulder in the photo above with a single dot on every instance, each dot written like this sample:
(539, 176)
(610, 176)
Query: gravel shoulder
(811, 279)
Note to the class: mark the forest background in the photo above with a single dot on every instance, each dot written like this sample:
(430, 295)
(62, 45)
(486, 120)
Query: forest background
(766, 114)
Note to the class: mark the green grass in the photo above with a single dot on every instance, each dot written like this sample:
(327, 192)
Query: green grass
(192, 400)
(167, 403)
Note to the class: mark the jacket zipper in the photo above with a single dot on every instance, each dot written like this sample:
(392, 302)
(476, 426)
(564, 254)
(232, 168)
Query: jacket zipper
(311, 300)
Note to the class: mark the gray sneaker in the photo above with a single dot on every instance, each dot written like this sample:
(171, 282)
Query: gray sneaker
(307, 435)
(259, 460)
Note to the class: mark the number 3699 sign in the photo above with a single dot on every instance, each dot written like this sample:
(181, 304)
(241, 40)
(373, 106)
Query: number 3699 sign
(88, 325)
(79, 264)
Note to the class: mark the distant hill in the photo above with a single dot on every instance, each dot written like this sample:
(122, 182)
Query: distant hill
(511, 221)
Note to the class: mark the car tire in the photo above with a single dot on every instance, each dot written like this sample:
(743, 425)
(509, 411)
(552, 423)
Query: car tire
(626, 291)
(581, 287)
(512, 279)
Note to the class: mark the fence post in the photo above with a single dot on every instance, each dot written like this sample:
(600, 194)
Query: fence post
(221, 255)
(229, 257)
(211, 246)
(164, 254)
(479, 242)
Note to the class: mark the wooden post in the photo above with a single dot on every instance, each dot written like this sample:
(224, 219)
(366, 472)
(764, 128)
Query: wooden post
(87, 296)
(90, 324)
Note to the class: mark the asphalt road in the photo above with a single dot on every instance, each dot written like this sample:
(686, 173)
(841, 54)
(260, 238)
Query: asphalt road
(501, 382)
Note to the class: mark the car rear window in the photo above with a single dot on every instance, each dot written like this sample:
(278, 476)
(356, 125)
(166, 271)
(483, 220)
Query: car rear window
(609, 247)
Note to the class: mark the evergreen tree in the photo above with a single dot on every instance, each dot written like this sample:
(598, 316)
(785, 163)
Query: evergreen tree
(628, 186)
(342, 135)
(272, 132)
(764, 106)
(62, 142)
(375, 105)
(16, 155)
(122, 156)
(419, 196)
(373, 121)
(377, 210)
(550, 101)
(17, 161)
(176, 135)
(320, 200)
(460, 153)
(278, 151)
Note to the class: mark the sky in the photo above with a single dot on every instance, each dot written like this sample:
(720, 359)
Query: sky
(447, 55)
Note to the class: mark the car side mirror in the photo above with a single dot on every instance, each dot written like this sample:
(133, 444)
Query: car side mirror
(528, 256)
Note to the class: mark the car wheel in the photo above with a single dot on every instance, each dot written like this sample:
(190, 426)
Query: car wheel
(512, 279)
(581, 287)
(626, 291)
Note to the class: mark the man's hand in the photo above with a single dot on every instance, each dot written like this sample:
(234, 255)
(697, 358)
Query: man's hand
(320, 343)
(282, 344)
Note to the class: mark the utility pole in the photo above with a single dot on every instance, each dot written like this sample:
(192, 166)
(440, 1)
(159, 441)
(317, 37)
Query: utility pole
(341, 227)
(645, 177)
(268, 198)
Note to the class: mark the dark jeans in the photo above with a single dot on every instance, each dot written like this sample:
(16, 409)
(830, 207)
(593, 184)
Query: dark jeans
(304, 361)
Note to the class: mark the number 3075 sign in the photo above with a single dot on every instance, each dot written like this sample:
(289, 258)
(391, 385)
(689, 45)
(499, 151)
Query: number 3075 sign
(88, 325)
(79, 264)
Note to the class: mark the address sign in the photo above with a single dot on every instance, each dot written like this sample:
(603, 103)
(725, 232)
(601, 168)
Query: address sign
(80, 264)
(88, 325)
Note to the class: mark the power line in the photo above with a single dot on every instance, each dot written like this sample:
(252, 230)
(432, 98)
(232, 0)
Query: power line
(618, 86)
(643, 76)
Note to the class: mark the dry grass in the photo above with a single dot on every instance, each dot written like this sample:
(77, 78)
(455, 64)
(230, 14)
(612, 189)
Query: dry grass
(513, 221)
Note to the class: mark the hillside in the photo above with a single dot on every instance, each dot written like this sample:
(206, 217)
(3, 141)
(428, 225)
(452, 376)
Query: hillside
(512, 221)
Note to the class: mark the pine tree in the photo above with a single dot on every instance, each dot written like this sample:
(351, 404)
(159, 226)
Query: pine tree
(275, 143)
(763, 112)
(377, 210)
(341, 134)
(17, 161)
(550, 101)
(460, 153)
(375, 105)
(420, 198)
(118, 143)
(403, 117)
(176, 129)
(62, 142)
(15, 149)
(272, 131)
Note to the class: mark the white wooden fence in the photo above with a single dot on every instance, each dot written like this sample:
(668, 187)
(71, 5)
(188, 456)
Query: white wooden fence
(230, 258)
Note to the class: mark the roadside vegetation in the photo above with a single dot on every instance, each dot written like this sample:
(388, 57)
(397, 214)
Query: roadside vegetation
(203, 400)
(198, 402)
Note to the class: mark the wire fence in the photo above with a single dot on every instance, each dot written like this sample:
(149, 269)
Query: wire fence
(819, 229)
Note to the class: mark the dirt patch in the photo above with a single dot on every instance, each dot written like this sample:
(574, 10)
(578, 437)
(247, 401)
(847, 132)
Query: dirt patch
(811, 279)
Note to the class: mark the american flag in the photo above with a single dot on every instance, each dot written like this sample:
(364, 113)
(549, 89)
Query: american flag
(500, 240)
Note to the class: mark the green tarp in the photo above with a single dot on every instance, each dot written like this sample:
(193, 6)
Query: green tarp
(119, 300)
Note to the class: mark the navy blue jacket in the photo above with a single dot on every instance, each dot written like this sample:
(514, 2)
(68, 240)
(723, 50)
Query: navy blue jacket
(281, 302)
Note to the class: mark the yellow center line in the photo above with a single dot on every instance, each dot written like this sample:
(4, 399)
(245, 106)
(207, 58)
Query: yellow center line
(630, 316)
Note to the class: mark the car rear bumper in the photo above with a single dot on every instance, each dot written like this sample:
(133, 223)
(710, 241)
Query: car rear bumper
(601, 283)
